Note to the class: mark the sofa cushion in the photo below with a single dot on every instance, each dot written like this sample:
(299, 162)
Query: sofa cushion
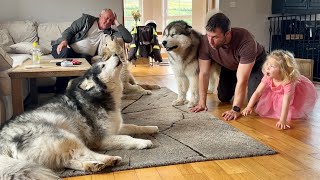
(21, 31)
(25, 48)
(49, 32)
(5, 60)
(5, 38)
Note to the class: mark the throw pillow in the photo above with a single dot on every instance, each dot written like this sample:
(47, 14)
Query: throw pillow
(25, 48)
(5, 38)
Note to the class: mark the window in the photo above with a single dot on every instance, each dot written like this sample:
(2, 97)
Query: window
(131, 5)
(177, 10)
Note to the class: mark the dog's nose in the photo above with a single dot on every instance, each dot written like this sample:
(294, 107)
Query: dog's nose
(115, 54)
(164, 43)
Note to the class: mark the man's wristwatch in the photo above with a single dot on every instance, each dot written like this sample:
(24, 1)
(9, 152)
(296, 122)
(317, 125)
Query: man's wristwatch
(236, 109)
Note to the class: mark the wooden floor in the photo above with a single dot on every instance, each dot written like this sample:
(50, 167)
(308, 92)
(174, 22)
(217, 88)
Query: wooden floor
(299, 147)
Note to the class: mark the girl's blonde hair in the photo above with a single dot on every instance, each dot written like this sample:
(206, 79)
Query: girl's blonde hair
(289, 68)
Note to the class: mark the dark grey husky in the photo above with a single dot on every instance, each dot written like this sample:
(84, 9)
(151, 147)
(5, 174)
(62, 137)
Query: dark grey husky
(64, 132)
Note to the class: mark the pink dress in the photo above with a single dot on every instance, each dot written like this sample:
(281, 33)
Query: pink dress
(302, 102)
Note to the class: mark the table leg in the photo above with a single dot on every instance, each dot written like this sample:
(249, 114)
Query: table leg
(17, 96)
(3, 112)
(33, 91)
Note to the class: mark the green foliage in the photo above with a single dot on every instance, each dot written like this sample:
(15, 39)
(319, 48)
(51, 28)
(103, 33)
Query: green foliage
(129, 6)
(179, 7)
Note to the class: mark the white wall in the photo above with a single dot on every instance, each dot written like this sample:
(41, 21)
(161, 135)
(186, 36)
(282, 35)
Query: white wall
(157, 14)
(8, 9)
(57, 10)
(152, 10)
(199, 9)
(249, 14)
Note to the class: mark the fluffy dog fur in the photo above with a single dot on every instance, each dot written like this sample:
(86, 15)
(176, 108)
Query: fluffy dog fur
(64, 132)
(113, 45)
(182, 43)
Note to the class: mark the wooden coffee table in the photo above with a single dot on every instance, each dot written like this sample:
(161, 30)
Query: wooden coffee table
(48, 69)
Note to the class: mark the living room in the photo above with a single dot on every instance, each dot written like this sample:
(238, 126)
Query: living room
(297, 149)
(53, 22)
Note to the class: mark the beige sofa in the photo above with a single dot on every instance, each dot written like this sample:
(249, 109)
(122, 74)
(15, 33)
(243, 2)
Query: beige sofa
(16, 39)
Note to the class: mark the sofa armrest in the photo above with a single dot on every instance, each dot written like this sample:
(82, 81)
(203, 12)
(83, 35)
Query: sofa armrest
(5, 60)
(5, 84)
(5, 97)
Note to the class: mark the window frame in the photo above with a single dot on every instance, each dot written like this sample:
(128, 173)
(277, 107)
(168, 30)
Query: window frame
(166, 17)
(130, 18)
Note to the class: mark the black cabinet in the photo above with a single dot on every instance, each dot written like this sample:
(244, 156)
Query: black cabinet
(299, 34)
(314, 4)
(295, 6)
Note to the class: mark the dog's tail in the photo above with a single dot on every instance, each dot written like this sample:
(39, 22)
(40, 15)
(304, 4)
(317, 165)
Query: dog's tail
(16, 169)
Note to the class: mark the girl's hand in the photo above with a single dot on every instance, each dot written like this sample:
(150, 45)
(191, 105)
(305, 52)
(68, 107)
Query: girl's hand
(246, 111)
(282, 125)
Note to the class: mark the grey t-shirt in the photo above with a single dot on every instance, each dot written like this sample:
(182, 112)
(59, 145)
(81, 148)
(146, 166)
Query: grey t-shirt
(90, 43)
(243, 49)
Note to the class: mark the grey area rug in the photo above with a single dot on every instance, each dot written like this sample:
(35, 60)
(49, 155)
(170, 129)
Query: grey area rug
(184, 136)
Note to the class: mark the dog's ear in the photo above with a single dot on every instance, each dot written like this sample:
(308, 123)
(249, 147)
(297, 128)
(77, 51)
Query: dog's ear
(184, 25)
(112, 37)
(188, 29)
(106, 54)
(108, 37)
(87, 84)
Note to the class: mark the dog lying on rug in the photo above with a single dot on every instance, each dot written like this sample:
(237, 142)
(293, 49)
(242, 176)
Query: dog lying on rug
(64, 132)
(182, 43)
(112, 45)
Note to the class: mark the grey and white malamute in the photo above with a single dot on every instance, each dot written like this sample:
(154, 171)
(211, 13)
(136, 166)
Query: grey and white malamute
(64, 132)
(113, 45)
(182, 43)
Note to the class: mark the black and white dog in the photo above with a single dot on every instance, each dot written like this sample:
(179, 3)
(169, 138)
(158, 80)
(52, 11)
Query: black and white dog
(64, 132)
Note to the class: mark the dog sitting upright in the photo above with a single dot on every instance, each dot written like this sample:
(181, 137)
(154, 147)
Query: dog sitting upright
(64, 132)
(112, 45)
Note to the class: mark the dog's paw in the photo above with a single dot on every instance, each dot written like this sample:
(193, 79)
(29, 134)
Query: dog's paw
(154, 86)
(93, 166)
(179, 102)
(150, 86)
(112, 160)
(147, 92)
(212, 91)
(152, 129)
(192, 104)
(143, 144)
